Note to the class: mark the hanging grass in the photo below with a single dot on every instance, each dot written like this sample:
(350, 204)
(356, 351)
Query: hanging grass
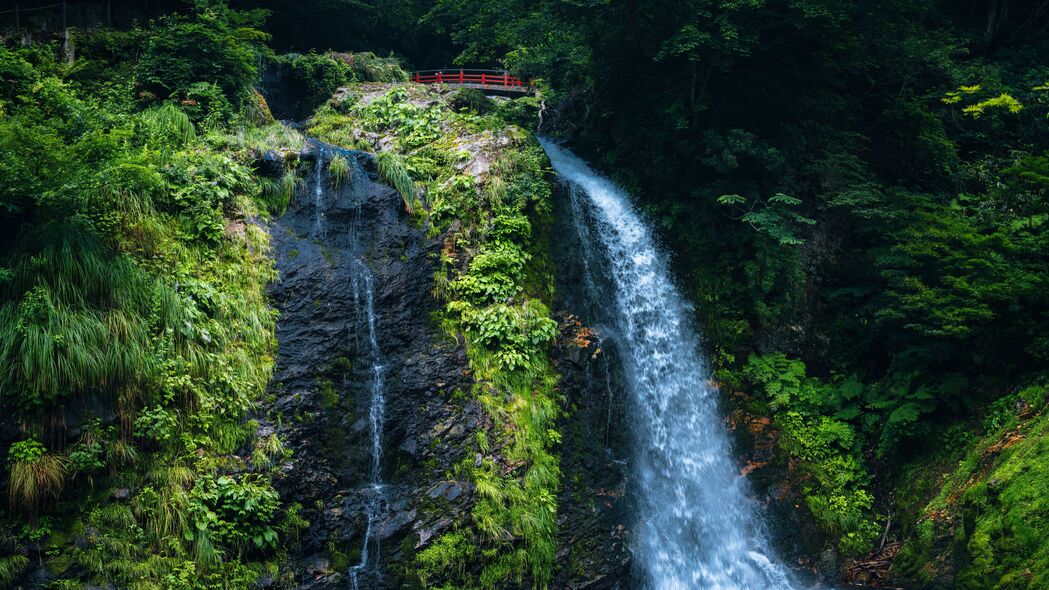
(393, 171)
(268, 452)
(339, 169)
(165, 513)
(205, 551)
(35, 476)
(277, 194)
(275, 136)
(368, 67)
(120, 453)
(50, 350)
(11, 567)
(168, 126)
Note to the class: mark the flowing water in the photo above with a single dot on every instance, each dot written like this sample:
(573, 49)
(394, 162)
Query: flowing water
(364, 290)
(318, 195)
(364, 294)
(696, 527)
(362, 284)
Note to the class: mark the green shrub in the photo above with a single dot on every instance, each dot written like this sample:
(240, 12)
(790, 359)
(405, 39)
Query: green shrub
(206, 104)
(86, 457)
(239, 512)
(156, 423)
(317, 76)
(215, 45)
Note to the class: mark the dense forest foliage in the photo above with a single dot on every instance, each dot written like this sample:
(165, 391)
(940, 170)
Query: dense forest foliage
(135, 334)
(855, 194)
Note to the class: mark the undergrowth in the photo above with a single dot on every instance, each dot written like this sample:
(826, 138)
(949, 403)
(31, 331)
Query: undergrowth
(989, 511)
(135, 333)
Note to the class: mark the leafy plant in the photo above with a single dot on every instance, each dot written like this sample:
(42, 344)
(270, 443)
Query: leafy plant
(214, 45)
(822, 445)
(240, 512)
(772, 217)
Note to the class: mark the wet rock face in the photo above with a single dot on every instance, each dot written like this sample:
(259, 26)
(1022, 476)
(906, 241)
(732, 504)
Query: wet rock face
(321, 392)
(593, 514)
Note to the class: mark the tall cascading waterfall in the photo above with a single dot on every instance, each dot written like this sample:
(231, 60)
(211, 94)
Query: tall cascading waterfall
(362, 284)
(696, 527)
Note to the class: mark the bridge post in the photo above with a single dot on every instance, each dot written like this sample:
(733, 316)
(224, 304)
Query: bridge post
(439, 77)
(483, 81)
(416, 77)
(460, 75)
(506, 78)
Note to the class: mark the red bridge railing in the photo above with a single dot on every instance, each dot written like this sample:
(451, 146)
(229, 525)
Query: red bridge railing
(487, 79)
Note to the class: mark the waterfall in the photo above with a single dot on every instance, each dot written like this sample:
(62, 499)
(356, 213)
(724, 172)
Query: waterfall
(696, 527)
(362, 284)
(364, 294)
(376, 411)
(318, 193)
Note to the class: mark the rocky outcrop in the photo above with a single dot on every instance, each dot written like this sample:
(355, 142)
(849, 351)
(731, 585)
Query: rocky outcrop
(321, 388)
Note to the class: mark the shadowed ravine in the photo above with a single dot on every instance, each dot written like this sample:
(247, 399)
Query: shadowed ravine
(695, 526)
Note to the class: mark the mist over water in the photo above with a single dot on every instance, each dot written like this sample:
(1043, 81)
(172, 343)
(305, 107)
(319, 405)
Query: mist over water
(695, 526)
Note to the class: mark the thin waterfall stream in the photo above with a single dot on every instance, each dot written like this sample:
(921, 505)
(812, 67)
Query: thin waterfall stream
(362, 284)
(695, 525)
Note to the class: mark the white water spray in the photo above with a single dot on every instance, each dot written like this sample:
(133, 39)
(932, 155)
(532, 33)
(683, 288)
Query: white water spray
(318, 193)
(696, 527)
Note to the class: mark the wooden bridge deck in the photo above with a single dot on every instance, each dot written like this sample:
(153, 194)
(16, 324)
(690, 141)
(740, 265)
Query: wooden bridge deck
(492, 80)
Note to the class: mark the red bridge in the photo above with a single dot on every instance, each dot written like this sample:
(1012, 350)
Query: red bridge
(499, 80)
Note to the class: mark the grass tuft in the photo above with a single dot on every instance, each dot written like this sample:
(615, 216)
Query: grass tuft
(339, 169)
(31, 482)
(393, 171)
